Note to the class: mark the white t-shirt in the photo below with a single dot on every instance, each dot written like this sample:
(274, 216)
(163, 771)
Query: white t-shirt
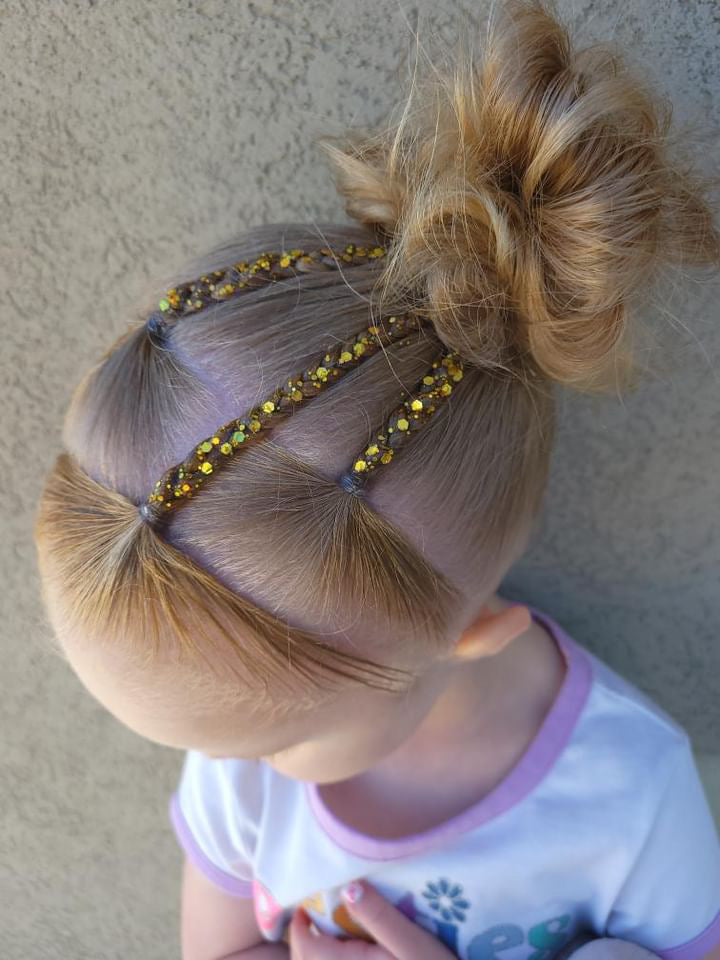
(601, 829)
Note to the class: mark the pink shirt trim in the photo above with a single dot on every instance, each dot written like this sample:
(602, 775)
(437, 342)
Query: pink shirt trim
(696, 948)
(226, 882)
(541, 754)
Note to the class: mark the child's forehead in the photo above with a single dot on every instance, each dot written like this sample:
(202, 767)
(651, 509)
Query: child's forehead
(179, 700)
(192, 712)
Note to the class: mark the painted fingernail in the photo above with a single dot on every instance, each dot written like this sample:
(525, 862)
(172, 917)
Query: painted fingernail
(352, 892)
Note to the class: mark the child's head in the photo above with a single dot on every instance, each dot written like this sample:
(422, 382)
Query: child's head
(522, 201)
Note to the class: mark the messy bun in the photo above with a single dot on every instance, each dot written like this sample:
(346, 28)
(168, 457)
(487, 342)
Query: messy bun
(528, 197)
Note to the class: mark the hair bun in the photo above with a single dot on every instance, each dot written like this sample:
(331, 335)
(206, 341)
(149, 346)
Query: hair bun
(527, 196)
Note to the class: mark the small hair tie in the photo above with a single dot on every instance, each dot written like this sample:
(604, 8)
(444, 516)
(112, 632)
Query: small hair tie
(352, 483)
(156, 326)
(147, 513)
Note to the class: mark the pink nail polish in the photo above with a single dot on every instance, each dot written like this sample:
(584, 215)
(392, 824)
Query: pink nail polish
(352, 892)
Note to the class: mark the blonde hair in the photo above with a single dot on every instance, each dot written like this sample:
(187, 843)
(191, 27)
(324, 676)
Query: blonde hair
(526, 197)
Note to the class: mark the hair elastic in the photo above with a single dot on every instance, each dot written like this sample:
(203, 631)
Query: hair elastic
(352, 483)
(145, 512)
(155, 326)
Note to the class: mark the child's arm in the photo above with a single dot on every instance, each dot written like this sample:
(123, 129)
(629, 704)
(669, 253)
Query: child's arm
(217, 926)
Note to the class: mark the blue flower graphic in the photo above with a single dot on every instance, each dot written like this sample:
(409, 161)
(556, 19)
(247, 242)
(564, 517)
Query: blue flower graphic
(444, 897)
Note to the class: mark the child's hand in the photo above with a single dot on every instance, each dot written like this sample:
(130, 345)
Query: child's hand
(396, 937)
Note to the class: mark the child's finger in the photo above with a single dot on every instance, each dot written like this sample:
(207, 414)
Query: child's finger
(391, 929)
(300, 936)
(306, 944)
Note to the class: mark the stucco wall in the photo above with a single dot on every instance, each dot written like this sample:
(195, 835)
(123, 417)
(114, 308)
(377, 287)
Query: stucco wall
(135, 134)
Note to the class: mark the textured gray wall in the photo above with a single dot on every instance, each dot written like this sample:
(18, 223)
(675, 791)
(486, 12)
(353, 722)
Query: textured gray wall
(135, 134)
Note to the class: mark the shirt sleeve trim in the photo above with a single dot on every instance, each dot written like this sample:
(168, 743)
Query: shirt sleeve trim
(226, 882)
(696, 948)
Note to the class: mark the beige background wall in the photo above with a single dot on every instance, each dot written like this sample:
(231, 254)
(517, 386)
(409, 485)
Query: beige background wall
(133, 135)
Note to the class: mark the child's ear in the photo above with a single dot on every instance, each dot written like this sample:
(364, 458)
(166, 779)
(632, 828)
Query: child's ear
(490, 632)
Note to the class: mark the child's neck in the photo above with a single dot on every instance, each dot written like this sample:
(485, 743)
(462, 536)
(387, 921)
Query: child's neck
(475, 733)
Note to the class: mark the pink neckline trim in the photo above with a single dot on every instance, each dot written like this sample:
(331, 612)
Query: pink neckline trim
(541, 754)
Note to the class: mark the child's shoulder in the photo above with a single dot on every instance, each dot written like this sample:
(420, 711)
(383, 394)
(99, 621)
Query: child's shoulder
(602, 690)
(631, 702)
(227, 787)
(221, 782)
(621, 718)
